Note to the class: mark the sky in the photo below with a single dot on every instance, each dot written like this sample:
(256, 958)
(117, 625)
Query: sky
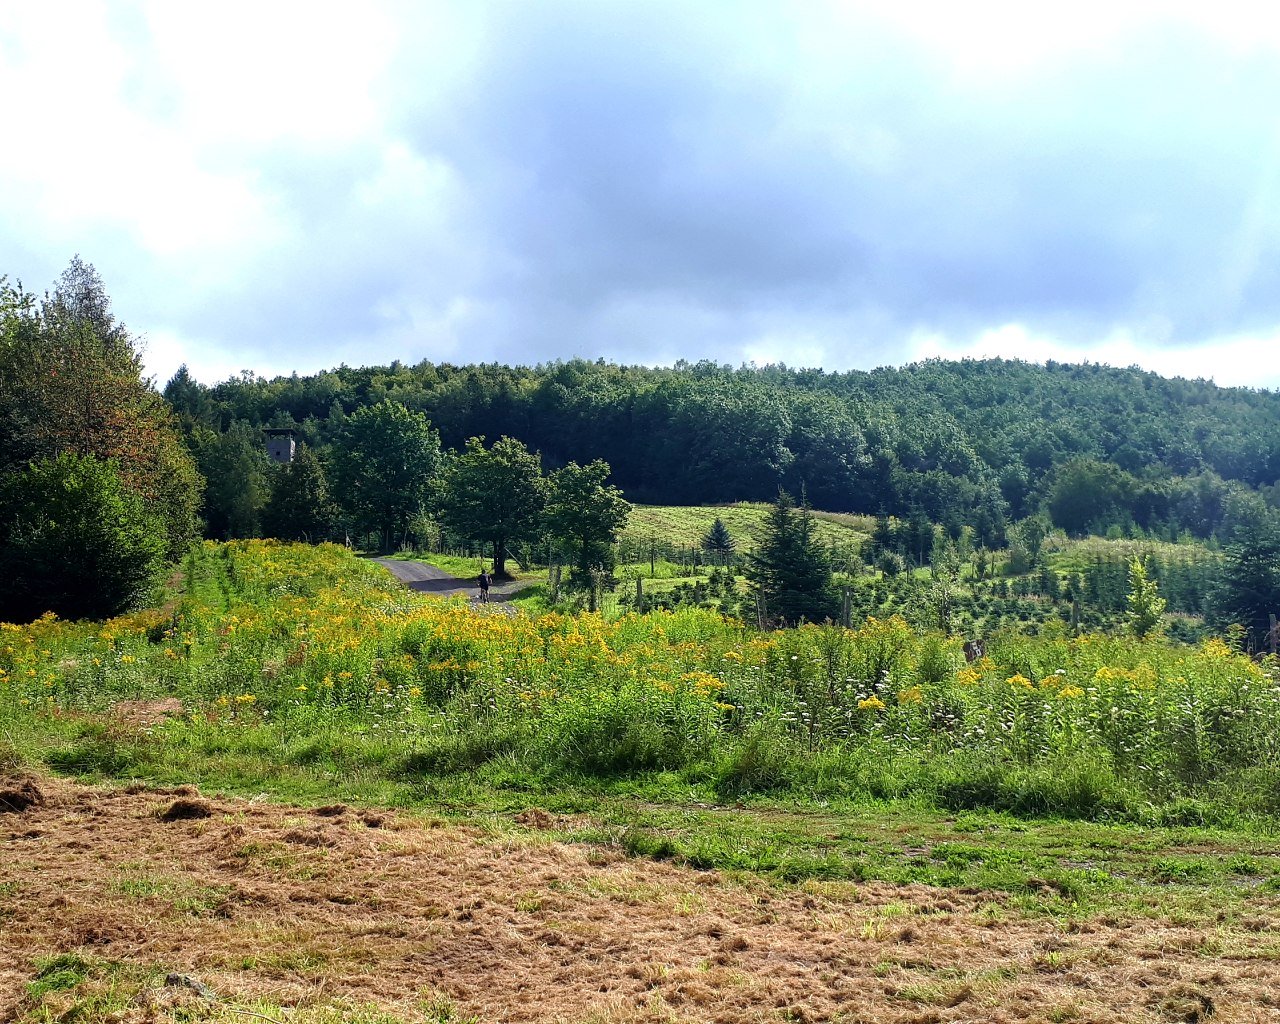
(280, 187)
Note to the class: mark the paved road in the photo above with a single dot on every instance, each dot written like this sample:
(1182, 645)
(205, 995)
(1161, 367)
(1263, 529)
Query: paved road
(427, 579)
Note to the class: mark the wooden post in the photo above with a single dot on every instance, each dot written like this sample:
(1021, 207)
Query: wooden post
(639, 594)
(555, 584)
(846, 608)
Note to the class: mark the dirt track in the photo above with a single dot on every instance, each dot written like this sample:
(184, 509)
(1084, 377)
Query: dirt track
(335, 906)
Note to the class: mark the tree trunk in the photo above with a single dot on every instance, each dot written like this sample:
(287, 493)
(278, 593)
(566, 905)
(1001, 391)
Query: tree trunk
(499, 557)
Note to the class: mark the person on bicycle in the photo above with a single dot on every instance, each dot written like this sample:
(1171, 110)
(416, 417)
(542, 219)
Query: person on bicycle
(485, 580)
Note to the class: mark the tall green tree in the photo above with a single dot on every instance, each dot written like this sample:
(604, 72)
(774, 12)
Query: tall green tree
(1088, 493)
(386, 464)
(299, 507)
(190, 401)
(789, 567)
(237, 474)
(586, 514)
(71, 383)
(1146, 606)
(494, 495)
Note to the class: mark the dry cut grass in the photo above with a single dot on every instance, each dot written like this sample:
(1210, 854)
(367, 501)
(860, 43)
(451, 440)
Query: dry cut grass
(315, 913)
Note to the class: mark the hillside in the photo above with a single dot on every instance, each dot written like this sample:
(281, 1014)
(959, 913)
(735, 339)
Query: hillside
(686, 525)
(979, 442)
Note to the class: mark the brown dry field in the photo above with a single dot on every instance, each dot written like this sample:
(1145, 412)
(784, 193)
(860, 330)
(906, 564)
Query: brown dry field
(331, 908)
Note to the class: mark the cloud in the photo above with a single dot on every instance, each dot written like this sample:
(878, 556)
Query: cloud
(843, 185)
(1236, 361)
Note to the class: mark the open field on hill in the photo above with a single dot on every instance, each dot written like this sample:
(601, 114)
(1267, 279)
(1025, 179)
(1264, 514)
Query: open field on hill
(1072, 555)
(685, 526)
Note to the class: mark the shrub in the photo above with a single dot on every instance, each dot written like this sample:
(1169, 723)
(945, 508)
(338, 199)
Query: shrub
(74, 541)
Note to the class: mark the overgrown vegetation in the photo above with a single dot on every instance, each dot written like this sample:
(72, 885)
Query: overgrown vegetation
(310, 657)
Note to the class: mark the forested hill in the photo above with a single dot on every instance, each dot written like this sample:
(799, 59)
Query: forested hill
(976, 441)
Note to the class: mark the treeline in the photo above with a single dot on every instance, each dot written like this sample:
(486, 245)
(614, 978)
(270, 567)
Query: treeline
(977, 443)
(387, 482)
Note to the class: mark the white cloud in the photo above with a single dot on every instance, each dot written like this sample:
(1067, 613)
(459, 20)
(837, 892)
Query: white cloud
(279, 187)
(1001, 39)
(263, 73)
(83, 159)
(1237, 361)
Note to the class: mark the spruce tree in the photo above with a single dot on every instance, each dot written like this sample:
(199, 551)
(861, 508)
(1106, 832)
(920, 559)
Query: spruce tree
(1247, 591)
(718, 542)
(789, 568)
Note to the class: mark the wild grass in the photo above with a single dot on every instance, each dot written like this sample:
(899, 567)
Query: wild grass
(1068, 555)
(312, 674)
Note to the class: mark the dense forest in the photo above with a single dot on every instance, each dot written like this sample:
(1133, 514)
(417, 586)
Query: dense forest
(978, 442)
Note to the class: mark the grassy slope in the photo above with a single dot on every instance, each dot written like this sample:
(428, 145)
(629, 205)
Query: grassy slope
(1068, 556)
(1069, 867)
(685, 526)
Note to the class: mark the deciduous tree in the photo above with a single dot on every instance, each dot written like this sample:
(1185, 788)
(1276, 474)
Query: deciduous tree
(586, 514)
(74, 540)
(494, 495)
(386, 463)
(299, 507)
(237, 474)
(71, 382)
(1146, 606)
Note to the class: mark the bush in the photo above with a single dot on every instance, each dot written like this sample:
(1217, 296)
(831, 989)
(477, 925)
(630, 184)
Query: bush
(938, 658)
(74, 541)
(891, 564)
